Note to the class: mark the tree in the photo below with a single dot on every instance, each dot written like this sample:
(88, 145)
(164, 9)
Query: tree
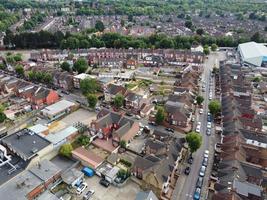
(166, 43)
(83, 140)
(2, 117)
(89, 86)
(19, 70)
(92, 100)
(17, 57)
(65, 66)
(256, 79)
(188, 24)
(118, 100)
(256, 37)
(65, 150)
(194, 141)
(206, 51)
(200, 31)
(214, 107)
(214, 47)
(199, 100)
(99, 26)
(84, 44)
(72, 43)
(123, 144)
(80, 65)
(160, 115)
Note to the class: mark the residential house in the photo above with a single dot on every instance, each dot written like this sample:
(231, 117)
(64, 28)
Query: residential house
(112, 90)
(114, 126)
(134, 101)
(131, 62)
(178, 114)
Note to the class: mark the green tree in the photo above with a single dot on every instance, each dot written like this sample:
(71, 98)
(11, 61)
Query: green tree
(256, 79)
(160, 115)
(194, 141)
(206, 51)
(80, 65)
(89, 86)
(199, 99)
(188, 24)
(256, 37)
(118, 100)
(65, 66)
(123, 144)
(19, 70)
(166, 43)
(214, 107)
(200, 31)
(214, 47)
(17, 57)
(65, 150)
(84, 44)
(99, 26)
(72, 43)
(92, 100)
(47, 78)
(83, 140)
(2, 117)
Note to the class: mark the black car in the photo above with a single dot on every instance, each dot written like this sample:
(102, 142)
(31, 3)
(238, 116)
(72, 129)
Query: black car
(65, 92)
(199, 182)
(129, 114)
(190, 160)
(104, 182)
(187, 170)
(152, 123)
(170, 129)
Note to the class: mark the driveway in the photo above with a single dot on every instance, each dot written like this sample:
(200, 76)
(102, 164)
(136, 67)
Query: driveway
(127, 191)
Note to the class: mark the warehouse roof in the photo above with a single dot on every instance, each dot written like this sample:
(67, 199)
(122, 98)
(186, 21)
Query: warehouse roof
(61, 135)
(252, 49)
(58, 107)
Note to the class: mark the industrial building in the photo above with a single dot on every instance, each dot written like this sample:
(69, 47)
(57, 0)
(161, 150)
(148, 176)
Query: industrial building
(253, 54)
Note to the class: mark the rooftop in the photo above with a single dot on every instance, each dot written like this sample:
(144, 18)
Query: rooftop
(25, 143)
(58, 107)
(61, 135)
(252, 49)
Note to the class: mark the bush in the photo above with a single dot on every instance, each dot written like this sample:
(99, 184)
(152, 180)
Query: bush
(126, 163)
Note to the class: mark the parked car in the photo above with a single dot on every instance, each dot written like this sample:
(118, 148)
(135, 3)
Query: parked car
(88, 195)
(137, 117)
(209, 125)
(201, 111)
(190, 160)
(205, 162)
(187, 170)
(152, 123)
(206, 154)
(81, 188)
(208, 132)
(198, 129)
(197, 194)
(104, 182)
(170, 129)
(202, 171)
(199, 182)
(65, 92)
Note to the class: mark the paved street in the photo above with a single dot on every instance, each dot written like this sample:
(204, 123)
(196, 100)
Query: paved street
(188, 187)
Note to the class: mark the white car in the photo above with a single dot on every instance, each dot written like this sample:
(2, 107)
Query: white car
(209, 125)
(199, 123)
(201, 111)
(198, 129)
(81, 188)
(141, 125)
(137, 117)
(202, 171)
(206, 153)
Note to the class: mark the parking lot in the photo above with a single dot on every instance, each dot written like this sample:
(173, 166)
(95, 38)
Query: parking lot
(127, 191)
(80, 115)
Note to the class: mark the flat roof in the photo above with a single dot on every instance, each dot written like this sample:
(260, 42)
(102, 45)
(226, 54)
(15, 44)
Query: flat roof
(38, 128)
(18, 187)
(45, 170)
(61, 135)
(58, 107)
(25, 143)
(84, 76)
